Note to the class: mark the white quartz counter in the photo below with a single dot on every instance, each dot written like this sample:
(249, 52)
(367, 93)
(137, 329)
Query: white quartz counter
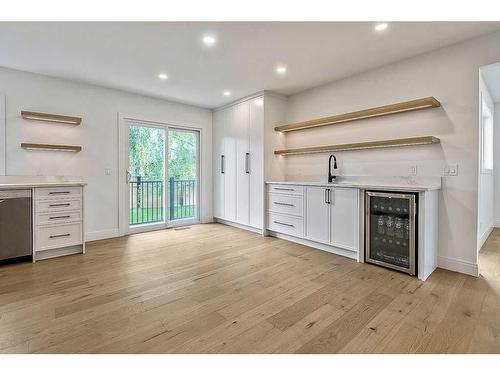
(376, 183)
(19, 182)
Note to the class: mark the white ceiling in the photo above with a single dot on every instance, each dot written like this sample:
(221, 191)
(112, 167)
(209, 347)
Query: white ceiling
(130, 56)
(491, 76)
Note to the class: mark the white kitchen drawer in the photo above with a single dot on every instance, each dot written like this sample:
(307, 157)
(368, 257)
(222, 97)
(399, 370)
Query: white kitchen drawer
(286, 204)
(59, 192)
(58, 205)
(58, 217)
(293, 226)
(286, 189)
(56, 236)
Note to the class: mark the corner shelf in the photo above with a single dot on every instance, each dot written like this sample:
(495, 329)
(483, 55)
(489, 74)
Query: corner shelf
(400, 142)
(47, 147)
(38, 116)
(385, 110)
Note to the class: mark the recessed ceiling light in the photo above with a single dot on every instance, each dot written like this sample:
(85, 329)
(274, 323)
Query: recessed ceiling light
(162, 76)
(208, 40)
(281, 70)
(226, 93)
(381, 26)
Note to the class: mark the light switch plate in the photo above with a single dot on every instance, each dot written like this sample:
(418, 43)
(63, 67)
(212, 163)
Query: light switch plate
(413, 170)
(451, 170)
(107, 172)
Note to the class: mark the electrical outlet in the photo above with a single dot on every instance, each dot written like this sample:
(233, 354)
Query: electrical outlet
(413, 170)
(451, 170)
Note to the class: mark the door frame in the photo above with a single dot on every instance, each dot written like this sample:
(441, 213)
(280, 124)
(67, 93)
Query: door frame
(3, 136)
(123, 194)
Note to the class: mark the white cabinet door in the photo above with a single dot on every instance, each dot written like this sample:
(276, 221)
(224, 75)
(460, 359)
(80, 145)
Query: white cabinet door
(317, 214)
(241, 118)
(345, 218)
(256, 162)
(230, 135)
(218, 161)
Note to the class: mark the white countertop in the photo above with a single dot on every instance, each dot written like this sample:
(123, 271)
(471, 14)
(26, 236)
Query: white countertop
(376, 183)
(19, 182)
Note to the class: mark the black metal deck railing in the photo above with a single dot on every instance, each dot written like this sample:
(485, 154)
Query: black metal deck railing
(147, 200)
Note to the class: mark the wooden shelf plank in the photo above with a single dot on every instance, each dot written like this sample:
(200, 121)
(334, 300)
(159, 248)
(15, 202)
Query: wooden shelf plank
(415, 141)
(47, 147)
(38, 116)
(385, 110)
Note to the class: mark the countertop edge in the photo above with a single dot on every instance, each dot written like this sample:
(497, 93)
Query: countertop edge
(367, 186)
(40, 184)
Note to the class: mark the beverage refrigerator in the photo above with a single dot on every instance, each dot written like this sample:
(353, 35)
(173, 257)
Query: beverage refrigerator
(391, 230)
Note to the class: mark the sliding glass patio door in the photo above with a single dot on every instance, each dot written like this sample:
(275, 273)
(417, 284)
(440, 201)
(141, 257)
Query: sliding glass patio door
(183, 163)
(162, 176)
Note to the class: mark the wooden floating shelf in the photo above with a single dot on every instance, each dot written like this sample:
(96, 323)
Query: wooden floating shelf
(415, 141)
(38, 116)
(385, 110)
(46, 147)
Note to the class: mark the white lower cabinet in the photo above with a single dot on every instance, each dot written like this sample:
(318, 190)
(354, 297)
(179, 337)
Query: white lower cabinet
(58, 221)
(345, 218)
(318, 215)
(325, 215)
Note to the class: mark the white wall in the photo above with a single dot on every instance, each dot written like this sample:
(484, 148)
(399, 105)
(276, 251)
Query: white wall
(98, 135)
(450, 75)
(496, 165)
(485, 217)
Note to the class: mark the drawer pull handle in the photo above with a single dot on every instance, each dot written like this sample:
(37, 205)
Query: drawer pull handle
(284, 189)
(59, 192)
(284, 204)
(280, 223)
(59, 217)
(60, 205)
(60, 235)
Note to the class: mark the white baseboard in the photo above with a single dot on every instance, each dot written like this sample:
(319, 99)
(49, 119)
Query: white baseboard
(458, 265)
(484, 237)
(102, 234)
(353, 254)
(241, 226)
(497, 223)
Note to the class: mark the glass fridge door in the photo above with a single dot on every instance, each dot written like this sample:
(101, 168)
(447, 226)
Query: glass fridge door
(390, 225)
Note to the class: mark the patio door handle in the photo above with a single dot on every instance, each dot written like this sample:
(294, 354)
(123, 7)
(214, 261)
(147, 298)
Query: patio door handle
(128, 177)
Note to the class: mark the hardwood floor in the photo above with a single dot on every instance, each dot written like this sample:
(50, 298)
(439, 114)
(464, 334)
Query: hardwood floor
(217, 289)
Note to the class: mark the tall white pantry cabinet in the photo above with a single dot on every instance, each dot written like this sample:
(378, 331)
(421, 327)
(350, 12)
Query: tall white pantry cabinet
(239, 154)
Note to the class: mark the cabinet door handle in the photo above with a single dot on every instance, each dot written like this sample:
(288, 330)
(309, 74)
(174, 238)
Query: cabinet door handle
(285, 224)
(60, 235)
(59, 217)
(222, 164)
(59, 192)
(247, 163)
(284, 204)
(327, 196)
(284, 189)
(60, 205)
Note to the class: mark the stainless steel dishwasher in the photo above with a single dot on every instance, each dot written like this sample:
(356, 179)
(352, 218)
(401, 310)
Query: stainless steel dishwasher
(15, 224)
